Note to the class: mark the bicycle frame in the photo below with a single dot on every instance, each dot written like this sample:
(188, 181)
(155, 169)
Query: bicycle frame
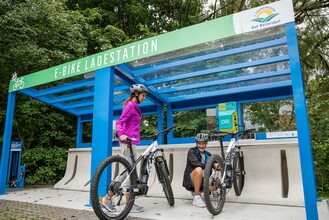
(150, 151)
(230, 147)
(224, 171)
(121, 191)
(227, 157)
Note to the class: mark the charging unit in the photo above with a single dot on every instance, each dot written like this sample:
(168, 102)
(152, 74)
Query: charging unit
(227, 117)
(16, 172)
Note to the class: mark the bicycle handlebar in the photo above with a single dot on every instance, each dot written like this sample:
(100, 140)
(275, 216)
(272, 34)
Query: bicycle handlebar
(155, 136)
(244, 132)
(130, 139)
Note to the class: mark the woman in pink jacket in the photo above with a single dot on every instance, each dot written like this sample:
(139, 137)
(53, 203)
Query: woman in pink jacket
(128, 125)
(129, 122)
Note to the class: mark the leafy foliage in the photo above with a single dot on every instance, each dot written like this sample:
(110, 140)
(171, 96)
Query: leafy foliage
(321, 166)
(196, 119)
(318, 108)
(149, 125)
(313, 38)
(38, 125)
(36, 35)
(273, 115)
(44, 165)
(155, 15)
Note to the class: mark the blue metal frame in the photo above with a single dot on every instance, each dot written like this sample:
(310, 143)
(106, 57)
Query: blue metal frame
(304, 139)
(79, 132)
(240, 116)
(7, 141)
(170, 123)
(65, 87)
(102, 120)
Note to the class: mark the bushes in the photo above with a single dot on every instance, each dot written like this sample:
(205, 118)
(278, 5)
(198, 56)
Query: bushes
(44, 165)
(321, 167)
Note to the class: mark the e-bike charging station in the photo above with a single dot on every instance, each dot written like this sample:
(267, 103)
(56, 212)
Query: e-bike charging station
(227, 117)
(250, 56)
(16, 171)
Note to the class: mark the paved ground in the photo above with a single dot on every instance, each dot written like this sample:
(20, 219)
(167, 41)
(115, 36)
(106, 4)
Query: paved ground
(31, 206)
(13, 210)
(24, 210)
(50, 203)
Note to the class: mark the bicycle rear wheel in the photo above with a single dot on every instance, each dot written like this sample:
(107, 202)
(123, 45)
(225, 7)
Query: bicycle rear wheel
(163, 176)
(238, 173)
(214, 193)
(109, 201)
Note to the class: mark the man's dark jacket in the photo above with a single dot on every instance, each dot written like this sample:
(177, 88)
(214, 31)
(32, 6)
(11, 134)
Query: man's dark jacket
(193, 161)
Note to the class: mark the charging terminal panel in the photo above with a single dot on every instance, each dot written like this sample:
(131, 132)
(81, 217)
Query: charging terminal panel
(227, 117)
(16, 172)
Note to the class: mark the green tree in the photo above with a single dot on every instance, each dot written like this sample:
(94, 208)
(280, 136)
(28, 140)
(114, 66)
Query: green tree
(35, 35)
(38, 125)
(273, 115)
(140, 19)
(318, 105)
(100, 34)
(189, 123)
(149, 125)
(44, 166)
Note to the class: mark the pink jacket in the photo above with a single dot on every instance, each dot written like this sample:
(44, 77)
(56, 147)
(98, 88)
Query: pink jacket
(129, 122)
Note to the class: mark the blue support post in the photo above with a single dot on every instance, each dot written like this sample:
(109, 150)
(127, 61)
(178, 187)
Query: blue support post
(240, 116)
(102, 118)
(304, 140)
(217, 118)
(79, 132)
(170, 123)
(160, 123)
(7, 141)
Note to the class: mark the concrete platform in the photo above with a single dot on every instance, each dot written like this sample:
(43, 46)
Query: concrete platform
(264, 182)
(50, 203)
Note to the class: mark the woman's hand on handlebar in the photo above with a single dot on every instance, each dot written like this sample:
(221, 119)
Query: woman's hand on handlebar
(123, 138)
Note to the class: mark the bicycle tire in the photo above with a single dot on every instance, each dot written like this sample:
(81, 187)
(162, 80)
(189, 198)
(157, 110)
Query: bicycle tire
(238, 173)
(215, 198)
(163, 176)
(101, 186)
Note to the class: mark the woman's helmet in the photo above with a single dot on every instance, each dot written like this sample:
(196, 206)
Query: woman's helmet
(202, 137)
(140, 88)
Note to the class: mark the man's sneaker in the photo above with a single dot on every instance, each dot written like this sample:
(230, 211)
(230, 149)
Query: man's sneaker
(197, 201)
(136, 209)
(193, 194)
(107, 203)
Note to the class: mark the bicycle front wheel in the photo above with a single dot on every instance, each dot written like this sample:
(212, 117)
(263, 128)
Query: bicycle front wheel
(214, 193)
(238, 173)
(163, 176)
(111, 188)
